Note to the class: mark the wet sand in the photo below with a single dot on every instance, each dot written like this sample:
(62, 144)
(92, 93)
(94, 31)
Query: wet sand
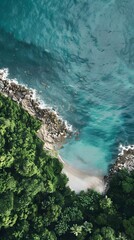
(52, 132)
(79, 180)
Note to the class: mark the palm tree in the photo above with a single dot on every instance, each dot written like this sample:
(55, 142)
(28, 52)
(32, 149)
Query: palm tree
(76, 230)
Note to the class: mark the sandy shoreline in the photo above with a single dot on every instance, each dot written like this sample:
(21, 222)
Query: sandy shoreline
(80, 180)
(53, 131)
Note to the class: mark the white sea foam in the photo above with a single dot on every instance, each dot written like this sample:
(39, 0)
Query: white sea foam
(4, 72)
(36, 97)
(79, 180)
(124, 148)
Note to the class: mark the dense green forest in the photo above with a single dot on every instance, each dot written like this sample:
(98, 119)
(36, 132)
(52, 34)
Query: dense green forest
(35, 203)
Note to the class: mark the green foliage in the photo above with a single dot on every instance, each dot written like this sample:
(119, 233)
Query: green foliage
(7, 182)
(108, 233)
(6, 203)
(35, 202)
(121, 192)
(129, 227)
(76, 230)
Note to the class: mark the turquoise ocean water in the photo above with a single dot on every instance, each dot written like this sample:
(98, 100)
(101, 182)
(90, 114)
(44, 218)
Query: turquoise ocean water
(79, 56)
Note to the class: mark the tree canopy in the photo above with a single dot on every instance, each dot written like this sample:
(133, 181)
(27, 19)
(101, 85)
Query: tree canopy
(36, 204)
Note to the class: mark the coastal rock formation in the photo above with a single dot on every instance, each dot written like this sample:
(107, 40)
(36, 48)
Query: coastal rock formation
(53, 130)
(125, 160)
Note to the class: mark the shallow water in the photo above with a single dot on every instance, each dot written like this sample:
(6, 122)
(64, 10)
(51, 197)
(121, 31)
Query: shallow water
(79, 55)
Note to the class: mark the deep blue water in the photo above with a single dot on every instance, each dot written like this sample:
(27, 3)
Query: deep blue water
(79, 55)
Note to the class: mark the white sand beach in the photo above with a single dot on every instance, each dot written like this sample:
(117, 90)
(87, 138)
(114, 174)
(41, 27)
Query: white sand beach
(79, 180)
(54, 132)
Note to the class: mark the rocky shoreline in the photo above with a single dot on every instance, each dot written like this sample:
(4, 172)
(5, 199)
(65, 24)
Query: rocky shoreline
(54, 130)
(125, 160)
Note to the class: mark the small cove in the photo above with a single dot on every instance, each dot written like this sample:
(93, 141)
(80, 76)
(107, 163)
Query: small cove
(82, 67)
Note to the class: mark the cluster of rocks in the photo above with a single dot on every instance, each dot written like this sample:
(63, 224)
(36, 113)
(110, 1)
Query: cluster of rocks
(125, 160)
(53, 130)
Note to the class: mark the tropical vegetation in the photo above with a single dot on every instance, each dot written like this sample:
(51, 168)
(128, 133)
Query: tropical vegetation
(35, 202)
